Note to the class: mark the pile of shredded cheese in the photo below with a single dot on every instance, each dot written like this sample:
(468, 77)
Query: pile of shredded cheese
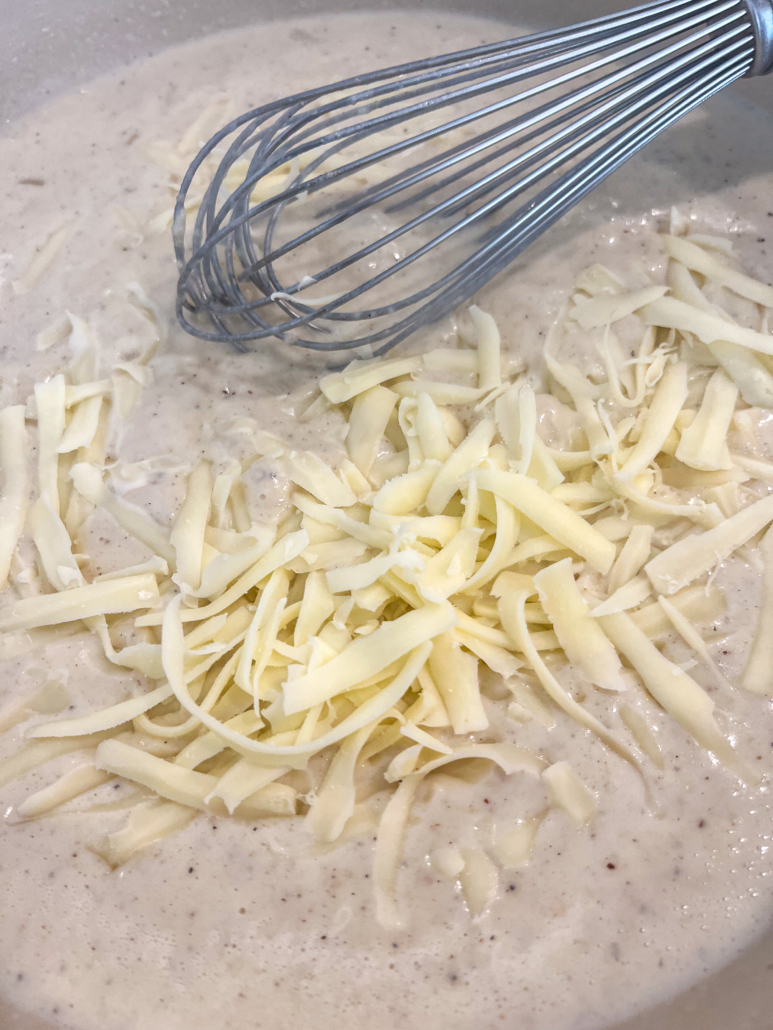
(452, 537)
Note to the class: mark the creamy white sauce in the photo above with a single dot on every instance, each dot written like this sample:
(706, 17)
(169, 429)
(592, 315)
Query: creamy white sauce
(226, 924)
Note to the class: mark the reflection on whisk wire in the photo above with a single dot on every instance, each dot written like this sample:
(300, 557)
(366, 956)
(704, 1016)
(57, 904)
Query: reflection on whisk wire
(443, 171)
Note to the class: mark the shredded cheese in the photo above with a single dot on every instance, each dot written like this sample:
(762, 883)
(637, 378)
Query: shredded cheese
(514, 848)
(555, 518)
(15, 490)
(581, 638)
(683, 699)
(106, 597)
(757, 675)
(365, 622)
(703, 444)
(568, 792)
(697, 554)
(42, 261)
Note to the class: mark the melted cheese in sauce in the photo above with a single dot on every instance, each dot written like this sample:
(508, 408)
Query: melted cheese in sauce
(222, 921)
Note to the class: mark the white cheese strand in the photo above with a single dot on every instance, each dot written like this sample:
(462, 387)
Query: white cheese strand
(109, 597)
(634, 553)
(370, 414)
(185, 786)
(489, 348)
(757, 675)
(479, 880)
(686, 702)
(42, 260)
(701, 603)
(630, 595)
(670, 313)
(555, 518)
(604, 309)
(642, 733)
(497, 658)
(83, 426)
(14, 456)
(373, 537)
(506, 414)
(695, 555)
(583, 641)
(404, 494)
(467, 456)
(242, 780)
(147, 824)
(363, 375)
(447, 572)
(514, 848)
(511, 607)
(360, 576)
(368, 655)
(527, 418)
(698, 260)
(753, 380)
(31, 756)
(583, 395)
(54, 545)
(334, 803)
(107, 719)
(316, 607)
(309, 472)
(455, 673)
(431, 429)
(703, 444)
(441, 393)
(187, 535)
(693, 639)
(543, 467)
(406, 420)
(50, 403)
(499, 557)
(272, 596)
(567, 791)
(225, 568)
(281, 553)
(71, 785)
(670, 395)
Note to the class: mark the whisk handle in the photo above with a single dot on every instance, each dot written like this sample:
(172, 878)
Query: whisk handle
(761, 16)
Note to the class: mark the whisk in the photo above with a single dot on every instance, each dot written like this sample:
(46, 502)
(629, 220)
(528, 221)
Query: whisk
(344, 218)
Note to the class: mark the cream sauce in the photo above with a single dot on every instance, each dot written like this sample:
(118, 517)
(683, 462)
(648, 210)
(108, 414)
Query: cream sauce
(226, 923)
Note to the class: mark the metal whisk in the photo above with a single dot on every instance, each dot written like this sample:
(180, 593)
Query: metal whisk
(353, 214)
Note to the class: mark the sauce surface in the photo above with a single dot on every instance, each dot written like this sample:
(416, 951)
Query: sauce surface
(224, 920)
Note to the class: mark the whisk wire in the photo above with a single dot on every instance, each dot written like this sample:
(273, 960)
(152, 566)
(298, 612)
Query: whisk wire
(525, 122)
(448, 98)
(540, 217)
(592, 95)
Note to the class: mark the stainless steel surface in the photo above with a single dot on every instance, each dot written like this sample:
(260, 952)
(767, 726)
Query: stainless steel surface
(553, 114)
(761, 15)
(84, 38)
